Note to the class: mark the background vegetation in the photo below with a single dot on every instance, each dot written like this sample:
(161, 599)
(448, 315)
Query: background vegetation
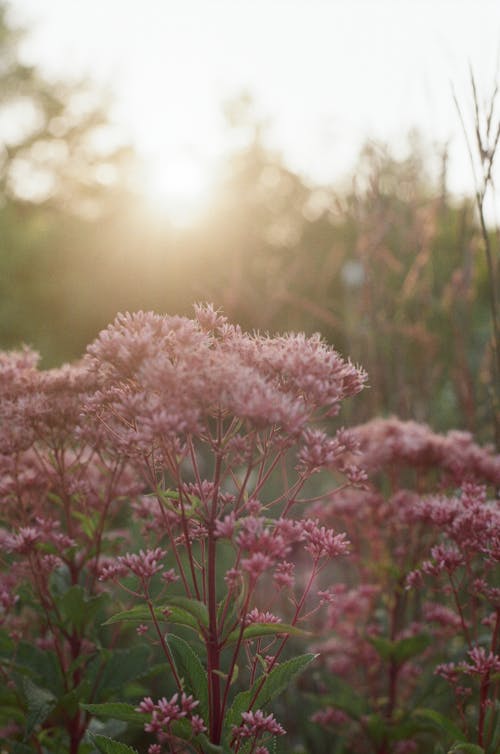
(388, 266)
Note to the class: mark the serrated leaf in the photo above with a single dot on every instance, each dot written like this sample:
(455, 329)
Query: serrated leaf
(77, 608)
(195, 608)
(40, 666)
(405, 649)
(123, 666)
(60, 581)
(257, 630)
(266, 690)
(108, 746)
(40, 703)
(190, 668)
(141, 614)
(116, 710)
(400, 650)
(110, 728)
(437, 720)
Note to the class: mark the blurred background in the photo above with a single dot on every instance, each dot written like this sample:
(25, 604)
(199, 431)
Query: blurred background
(301, 164)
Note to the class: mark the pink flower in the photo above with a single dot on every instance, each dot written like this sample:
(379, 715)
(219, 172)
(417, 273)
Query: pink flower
(482, 662)
(444, 558)
(198, 725)
(284, 575)
(256, 724)
(330, 716)
(225, 529)
(256, 564)
(406, 746)
(170, 576)
(449, 671)
(147, 705)
(323, 542)
(257, 616)
(145, 563)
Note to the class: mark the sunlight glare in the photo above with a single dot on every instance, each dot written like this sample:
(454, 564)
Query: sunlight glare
(179, 187)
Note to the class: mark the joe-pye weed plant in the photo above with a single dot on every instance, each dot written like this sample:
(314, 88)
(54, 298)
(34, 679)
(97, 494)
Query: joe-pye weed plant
(222, 430)
(411, 640)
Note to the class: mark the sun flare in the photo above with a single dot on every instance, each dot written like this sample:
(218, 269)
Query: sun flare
(178, 186)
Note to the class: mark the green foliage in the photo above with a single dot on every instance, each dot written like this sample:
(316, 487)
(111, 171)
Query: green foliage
(141, 613)
(435, 720)
(265, 689)
(116, 710)
(108, 746)
(191, 670)
(400, 650)
(40, 703)
(121, 666)
(340, 694)
(78, 609)
(257, 630)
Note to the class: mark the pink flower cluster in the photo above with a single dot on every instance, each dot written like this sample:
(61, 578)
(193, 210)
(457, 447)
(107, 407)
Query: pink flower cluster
(165, 712)
(423, 569)
(255, 725)
(163, 377)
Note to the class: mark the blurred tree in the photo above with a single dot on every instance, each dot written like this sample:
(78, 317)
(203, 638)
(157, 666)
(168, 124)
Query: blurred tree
(56, 142)
(62, 169)
(386, 267)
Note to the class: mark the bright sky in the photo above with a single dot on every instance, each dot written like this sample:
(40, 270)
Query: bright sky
(327, 73)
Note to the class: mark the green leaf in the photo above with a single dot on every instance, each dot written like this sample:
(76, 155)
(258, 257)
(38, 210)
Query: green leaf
(463, 748)
(195, 608)
(69, 703)
(59, 581)
(265, 690)
(405, 649)
(40, 703)
(441, 722)
(256, 630)
(18, 748)
(123, 666)
(77, 609)
(40, 666)
(383, 646)
(183, 730)
(141, 614)
(190, 668)
(344, 697)
(108, 746)
(207, 746)
(89, 523)
(116, 710)
(7, 646)
(376, 727)
(401, 650)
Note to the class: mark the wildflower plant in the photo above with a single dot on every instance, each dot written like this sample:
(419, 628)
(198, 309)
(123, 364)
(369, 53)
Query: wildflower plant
(169, 472)
(62, 496)
(411, 637)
